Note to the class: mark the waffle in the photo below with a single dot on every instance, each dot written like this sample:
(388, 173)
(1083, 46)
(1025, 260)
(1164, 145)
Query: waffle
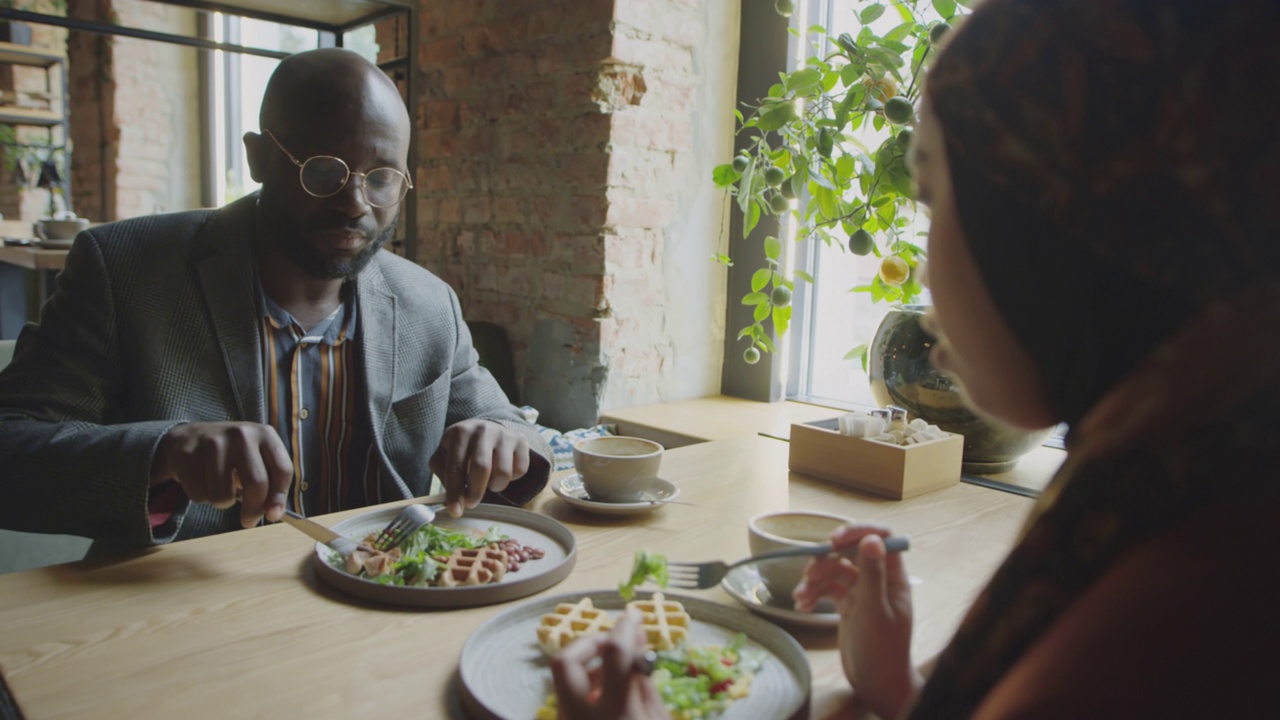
(473, 567)
(665, 622)
(570, 622)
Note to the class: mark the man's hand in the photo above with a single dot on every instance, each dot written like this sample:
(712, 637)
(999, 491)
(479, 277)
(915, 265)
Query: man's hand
(216, 461)
(475, 456)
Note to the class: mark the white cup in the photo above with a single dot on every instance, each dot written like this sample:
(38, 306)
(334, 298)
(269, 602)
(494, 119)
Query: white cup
(617, 468)
(783, 530)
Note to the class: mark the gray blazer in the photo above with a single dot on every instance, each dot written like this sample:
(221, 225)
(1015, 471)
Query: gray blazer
(155, 323)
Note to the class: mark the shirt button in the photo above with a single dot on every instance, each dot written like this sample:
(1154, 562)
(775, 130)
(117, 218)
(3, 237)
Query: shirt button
(304, 485)
(304, 413)
(304, 346)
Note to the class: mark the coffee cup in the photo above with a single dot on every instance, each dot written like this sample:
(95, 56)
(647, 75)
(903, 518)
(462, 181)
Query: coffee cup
(616, 468)
(784, 530)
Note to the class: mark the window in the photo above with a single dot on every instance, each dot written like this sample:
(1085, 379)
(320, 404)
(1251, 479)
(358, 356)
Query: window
(829, 321)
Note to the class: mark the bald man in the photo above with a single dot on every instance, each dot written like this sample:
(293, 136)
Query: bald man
(198, 372)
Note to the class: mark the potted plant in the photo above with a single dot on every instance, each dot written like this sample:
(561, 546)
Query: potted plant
(808, 156)
(828, 147)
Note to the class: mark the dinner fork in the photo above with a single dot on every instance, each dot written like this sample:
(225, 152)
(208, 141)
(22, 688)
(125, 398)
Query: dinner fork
(407, 522)
(699, 576)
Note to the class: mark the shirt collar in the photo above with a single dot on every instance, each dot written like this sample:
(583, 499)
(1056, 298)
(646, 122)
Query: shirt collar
(333, 330)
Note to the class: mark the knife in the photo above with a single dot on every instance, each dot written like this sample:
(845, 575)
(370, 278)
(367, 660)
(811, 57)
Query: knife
(343, 545)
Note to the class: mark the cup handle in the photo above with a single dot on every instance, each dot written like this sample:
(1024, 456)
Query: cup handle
(38, 231)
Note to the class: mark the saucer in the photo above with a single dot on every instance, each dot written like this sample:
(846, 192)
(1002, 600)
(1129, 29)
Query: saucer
(570, 489)
(62, 244)
(746, 586)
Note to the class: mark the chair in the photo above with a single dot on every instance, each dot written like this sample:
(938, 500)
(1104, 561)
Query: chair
(23, 551)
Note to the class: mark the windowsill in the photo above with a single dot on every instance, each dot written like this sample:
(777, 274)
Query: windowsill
(718, 417)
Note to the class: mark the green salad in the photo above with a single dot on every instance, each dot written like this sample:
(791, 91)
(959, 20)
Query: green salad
(647, 566)
(701, 682)
(423, 554)
(697, 682)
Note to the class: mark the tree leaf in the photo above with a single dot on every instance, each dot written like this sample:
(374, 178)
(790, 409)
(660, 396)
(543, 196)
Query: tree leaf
(781, 320)
(871, 13)
(744, 332)
(767, 342)
(744, 187)
(804, 276)
(945, 8)
(802, 80)
(772, 247)
(752, 217)
(755, 298)
(724, 175)
(760, 278)
(761, 311)
(857, 352)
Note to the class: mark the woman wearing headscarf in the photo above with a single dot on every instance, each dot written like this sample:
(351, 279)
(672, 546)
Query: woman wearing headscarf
(1103, 179)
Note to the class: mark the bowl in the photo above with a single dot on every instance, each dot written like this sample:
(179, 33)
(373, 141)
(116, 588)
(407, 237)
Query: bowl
(60, 229)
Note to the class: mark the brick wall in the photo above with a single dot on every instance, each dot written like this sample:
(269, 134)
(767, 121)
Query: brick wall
(558, 183)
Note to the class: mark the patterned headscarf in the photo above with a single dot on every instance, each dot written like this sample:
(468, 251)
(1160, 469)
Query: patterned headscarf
(1115, 169)
(1116, 165)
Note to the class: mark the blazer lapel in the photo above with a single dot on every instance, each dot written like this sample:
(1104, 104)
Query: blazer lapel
(227, 280)
(378, 342)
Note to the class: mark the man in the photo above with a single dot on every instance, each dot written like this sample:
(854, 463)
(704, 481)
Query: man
(197, 372)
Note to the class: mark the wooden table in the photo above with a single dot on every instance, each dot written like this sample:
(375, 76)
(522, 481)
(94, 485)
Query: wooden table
(237, 625)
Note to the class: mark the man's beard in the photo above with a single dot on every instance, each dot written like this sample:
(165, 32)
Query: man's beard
(294, 244)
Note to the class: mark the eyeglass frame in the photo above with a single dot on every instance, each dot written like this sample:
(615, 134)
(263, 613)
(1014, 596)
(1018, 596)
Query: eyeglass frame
(408, 181)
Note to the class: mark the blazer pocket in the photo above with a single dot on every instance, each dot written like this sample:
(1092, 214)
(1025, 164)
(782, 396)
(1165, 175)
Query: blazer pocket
(413, 431)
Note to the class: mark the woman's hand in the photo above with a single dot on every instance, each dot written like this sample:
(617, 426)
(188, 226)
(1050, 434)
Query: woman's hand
(874, 600)
(597, 676)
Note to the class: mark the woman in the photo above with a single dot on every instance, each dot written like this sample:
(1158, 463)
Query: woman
(1105, 252)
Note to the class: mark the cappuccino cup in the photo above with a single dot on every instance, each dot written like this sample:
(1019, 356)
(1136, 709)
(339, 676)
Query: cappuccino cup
(783, 530)
(617, 468)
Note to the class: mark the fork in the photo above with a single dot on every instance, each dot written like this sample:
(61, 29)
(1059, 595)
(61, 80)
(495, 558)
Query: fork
(407, 522)
(700, 576)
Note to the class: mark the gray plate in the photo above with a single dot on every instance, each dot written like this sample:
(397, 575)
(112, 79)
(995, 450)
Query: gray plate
(504, 675)
(527, 527)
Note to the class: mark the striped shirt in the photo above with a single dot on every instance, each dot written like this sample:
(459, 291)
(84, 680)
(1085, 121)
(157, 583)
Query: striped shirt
(315, 400)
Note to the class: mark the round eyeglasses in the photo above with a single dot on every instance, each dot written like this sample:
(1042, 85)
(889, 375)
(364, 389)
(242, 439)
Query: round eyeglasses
(324, 176)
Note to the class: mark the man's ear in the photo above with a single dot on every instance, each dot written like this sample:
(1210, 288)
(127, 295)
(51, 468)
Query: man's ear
(255, 152)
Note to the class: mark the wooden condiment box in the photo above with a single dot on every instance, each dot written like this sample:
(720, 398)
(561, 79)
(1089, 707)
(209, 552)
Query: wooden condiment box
(894, 471)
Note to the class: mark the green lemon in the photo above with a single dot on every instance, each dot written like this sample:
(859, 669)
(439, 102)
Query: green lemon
(774, 176)
(861, 242)
(779, 204)
(899, 110)
(781, 296)
(751, 356)
(826, 143)
(937, 32)
(905, 138)
(788, 188)
(784, 7)
(740, 163)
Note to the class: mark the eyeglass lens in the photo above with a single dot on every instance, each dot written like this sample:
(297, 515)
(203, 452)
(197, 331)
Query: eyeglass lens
(326, 176)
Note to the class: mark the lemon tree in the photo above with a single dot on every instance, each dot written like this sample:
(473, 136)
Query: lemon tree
(805, 156)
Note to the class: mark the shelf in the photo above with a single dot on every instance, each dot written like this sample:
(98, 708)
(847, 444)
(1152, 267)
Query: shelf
(27, 55)
(329, 13)
(29, 116)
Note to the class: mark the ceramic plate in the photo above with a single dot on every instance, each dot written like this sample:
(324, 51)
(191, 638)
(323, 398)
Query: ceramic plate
(527, 527)
(746, 586)
(504, 675)
(570, 490)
